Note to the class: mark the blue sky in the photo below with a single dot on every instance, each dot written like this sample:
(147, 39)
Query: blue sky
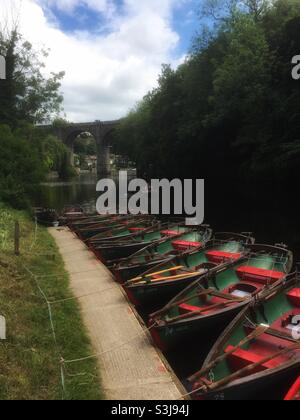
(111, 50)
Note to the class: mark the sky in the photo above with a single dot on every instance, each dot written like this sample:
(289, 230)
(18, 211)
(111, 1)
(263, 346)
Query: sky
(111, 50)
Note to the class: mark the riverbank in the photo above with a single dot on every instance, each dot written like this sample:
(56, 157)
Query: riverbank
(30, 357)
(133, 369)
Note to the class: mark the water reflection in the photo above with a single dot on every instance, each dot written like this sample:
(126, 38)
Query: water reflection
(81, 190)
(268, 224)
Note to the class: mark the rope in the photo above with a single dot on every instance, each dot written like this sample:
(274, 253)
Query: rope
(82, 296)
(64, 362)
(35, 234)
(93, 356)
(49, 276)
(52, 329)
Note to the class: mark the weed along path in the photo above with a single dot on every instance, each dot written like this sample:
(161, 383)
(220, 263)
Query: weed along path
(131, 368)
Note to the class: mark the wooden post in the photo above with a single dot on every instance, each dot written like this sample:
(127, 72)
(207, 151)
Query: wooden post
(17, 238)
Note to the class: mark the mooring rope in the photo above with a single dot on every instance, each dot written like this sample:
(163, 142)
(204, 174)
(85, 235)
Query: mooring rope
(96, 355)
(64, 362)
(52, 329)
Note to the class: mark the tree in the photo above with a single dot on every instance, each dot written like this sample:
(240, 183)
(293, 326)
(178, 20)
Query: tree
(230, 113)
(21, 168)
(27, 94)
(222, 10)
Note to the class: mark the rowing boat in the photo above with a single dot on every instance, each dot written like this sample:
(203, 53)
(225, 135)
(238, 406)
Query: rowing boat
(259, 353)
(156, 287)
(138, 238)
(213, 300)
(87, 221)
(294, 392)
(174, 243)
(46, 217)
(89, 231)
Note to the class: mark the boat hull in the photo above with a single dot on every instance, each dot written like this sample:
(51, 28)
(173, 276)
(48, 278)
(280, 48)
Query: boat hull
(155, 296)
(127, 273)
(169, 336)
(268, 387)
(113, 252)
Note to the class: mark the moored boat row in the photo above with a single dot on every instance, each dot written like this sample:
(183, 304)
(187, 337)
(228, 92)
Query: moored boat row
(191, 282)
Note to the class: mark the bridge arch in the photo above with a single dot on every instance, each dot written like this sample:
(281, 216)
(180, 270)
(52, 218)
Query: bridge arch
(102, 133)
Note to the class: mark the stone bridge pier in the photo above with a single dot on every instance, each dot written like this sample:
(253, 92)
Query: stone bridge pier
(101, 131)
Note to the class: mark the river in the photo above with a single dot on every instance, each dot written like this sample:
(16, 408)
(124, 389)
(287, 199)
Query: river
(58, 194)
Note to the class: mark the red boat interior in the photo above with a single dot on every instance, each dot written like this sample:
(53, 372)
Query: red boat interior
(219, 257)
(169, 233)
(294, 392)
(136, 230)
(185, 245)
(278, 337)
(262, 353)
(253, 280)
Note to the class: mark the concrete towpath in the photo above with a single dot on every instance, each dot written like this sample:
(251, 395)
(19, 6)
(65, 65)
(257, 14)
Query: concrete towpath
(135, 370)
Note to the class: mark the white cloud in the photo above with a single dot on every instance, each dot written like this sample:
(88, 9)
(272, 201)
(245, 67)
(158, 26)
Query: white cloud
(105, 74)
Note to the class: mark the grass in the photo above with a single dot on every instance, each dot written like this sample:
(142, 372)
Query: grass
(29, 358)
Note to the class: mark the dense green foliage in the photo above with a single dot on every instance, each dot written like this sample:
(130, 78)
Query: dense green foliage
(26, 94)
(230, 113)
(85, 145)
(20, 166)
(27, 154)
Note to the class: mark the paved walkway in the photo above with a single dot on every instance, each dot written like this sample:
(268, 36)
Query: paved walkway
(135, 371)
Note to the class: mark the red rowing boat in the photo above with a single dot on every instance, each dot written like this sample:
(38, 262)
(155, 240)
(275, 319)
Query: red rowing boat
(294, 392)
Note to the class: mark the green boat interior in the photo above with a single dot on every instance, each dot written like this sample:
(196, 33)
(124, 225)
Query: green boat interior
(177, 243)
(196, 263)
(230, 286)
(267, 338)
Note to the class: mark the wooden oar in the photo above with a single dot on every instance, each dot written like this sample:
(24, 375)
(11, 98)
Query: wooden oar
(261, 329)
(174, 304)
(247, 369)
(179, 267)
(178, 277)
(204, 293)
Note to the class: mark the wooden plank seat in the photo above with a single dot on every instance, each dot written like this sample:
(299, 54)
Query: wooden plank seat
(242, 358)
(259, 275)
(183, 245)
(220, 256)
(169, 233)
(294, 296)
(136, 229)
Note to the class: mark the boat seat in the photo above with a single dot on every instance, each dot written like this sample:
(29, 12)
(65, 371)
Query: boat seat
(218, 257)
(169, 232)
(243, 358)
(294, 296)
(184, 308)
(183, 245)
(136, 229)
(259, 275)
